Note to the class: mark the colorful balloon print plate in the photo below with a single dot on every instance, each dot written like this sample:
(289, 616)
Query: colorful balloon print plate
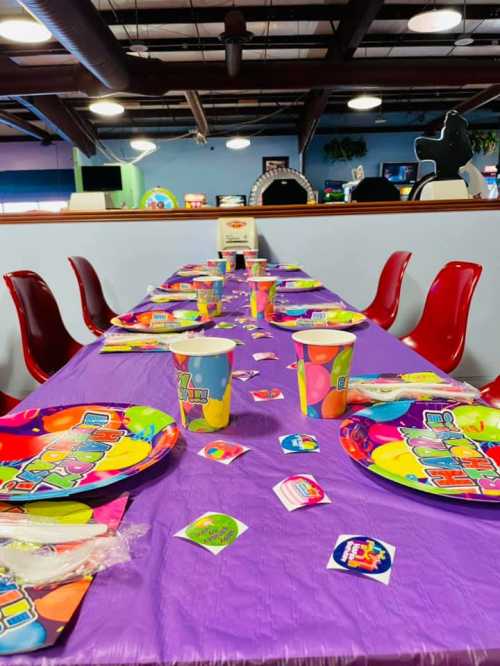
(441, 447)
(295, 286)
(60, 451)
(159, 321)
(335, 319)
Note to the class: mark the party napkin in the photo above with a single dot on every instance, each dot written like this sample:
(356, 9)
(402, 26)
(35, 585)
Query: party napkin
(300, 490)
(412, 386)
(213, 531)
(364, 556)
(142, 342)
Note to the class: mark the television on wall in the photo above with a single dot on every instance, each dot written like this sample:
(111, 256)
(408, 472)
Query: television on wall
(102, 178)
(400, 173)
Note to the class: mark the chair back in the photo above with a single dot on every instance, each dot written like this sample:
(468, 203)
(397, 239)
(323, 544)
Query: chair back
(440, 333)
(47, 345)
(491, 393)
(96, 312)
(384, 307)
(7, 402)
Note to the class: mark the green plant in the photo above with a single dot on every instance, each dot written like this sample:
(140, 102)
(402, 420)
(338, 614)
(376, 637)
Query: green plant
(483, 141)
(345, 149)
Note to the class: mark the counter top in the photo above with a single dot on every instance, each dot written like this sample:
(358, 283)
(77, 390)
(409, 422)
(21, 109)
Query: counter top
(209, 213)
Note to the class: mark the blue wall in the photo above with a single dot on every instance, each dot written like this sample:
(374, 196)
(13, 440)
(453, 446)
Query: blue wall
(183, 166)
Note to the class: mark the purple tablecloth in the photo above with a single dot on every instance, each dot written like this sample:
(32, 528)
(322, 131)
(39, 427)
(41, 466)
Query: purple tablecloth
(269, 597)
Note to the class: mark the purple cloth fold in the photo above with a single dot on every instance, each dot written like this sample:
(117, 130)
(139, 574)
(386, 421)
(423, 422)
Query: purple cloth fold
(268, 598)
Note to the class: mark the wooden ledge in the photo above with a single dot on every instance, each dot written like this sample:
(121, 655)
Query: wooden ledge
(319, 210)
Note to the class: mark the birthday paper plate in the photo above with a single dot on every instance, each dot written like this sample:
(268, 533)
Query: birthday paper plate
(292, 286)
(441, 447)
(60, 451)
(335, 319)
(159, 321)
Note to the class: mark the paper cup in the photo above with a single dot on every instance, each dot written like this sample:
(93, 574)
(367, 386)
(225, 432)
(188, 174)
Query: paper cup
(262, 295)
(217, 266)
(256, 266)
(323, 369)
(203, 373)
(209, 291)
(249, 254)
(230, 257)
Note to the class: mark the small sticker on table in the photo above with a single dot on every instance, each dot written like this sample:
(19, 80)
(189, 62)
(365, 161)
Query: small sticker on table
(297, 443)
(213, 531)
(222, 451)
(364, 556)
(261, 395)
(244, 375)
(299, 491)
(265, 356)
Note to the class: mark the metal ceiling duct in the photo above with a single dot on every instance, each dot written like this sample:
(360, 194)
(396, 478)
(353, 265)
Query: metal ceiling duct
(234, 36)
(79, 27)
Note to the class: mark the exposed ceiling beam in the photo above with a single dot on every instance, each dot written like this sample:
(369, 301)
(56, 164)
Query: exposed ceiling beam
(196, 108)
(311, 41)
(474, 102)
(154, 77)
(63, 121)
(13, 121)
(326, 12)
(354, 25)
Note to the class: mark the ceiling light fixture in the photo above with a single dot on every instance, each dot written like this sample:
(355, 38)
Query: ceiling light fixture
(465, 40)
(143, 145)
(25, 30)
(364, 102)
(238, 143)
(435, 20)
(107, 107)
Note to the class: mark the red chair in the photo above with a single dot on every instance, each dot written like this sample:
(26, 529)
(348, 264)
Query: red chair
(96, 312)
(47, 345)
(490, 393)
(7, 402)
(384, 307)
(439, 336)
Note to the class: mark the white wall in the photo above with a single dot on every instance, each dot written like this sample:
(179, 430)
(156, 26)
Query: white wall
(346, 252)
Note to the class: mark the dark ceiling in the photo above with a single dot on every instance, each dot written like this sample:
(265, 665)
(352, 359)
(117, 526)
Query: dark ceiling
(298, 70)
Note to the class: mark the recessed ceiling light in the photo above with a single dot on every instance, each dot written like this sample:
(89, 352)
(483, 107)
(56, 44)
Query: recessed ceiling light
(436, 20)
(106, 107)
(364, 102)
(237, 143)
(143, 145)
(466, 40)
(138, 50)
(26, 31)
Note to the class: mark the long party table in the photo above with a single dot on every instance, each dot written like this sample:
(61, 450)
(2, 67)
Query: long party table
(268, 598)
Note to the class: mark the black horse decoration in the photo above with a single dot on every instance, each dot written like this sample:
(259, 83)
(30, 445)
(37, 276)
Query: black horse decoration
(451, 151)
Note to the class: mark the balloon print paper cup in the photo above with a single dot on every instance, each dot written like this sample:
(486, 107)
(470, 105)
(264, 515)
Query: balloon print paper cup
(217, 266)
(249, 254)
(262, 295)
(203, 367)
(256, 266)
(230, 258)
(323, 368)
(209, 291)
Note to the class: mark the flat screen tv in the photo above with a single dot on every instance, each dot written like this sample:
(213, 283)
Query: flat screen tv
(400, 173)
(102, 178)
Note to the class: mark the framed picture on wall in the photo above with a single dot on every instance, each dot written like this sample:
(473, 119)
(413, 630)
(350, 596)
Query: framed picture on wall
(269, 163)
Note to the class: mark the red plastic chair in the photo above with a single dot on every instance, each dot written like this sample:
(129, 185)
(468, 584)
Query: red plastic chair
(47, 345)
(439, 336)
(96, 312)
(7, 402)
(384, 307)
(490, 393)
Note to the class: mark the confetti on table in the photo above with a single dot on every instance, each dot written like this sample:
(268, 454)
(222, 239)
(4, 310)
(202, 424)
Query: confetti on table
(239, 343)
(265, 356)
(222, 451)
(258, 335)
(213, 531)
(292, 366)
(364, 556)
(225, 325)
(241, 320)
(250, 327)
(245, 375)
(297, 443)
(261, 395)
(300, 490)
